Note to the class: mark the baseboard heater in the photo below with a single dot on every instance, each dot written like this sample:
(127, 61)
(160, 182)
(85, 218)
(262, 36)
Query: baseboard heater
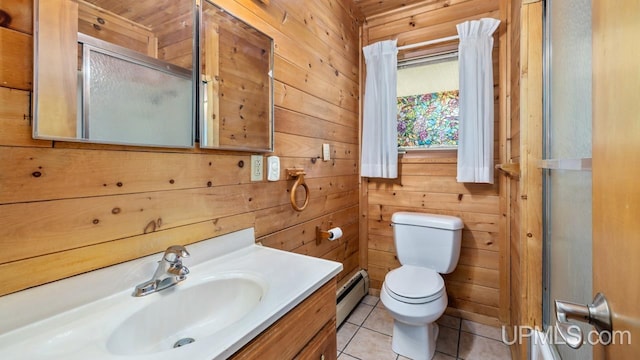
(350, 294)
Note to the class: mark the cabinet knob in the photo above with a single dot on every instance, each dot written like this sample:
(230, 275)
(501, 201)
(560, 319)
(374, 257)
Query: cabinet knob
(321, 356)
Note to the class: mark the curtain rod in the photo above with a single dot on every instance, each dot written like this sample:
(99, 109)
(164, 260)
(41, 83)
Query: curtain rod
(425, 43)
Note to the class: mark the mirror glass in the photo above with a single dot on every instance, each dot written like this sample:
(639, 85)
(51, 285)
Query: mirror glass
(236, 90)
(118, 72)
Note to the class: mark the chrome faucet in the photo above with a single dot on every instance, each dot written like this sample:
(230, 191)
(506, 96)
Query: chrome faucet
(170, 271)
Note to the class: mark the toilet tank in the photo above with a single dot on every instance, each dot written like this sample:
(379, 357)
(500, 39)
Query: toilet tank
(427, 240)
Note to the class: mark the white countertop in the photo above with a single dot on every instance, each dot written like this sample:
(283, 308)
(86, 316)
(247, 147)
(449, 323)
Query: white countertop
(73, 318)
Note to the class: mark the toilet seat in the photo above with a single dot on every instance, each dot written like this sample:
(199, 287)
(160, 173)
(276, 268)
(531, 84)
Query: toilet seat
(414, 284)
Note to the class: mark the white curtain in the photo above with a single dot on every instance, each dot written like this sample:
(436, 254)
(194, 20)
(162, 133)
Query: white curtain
(379, 128)
(475, 144)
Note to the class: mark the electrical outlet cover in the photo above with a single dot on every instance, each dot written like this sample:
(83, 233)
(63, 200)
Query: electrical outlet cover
(273, 168)
(326, 152)
(257, 167)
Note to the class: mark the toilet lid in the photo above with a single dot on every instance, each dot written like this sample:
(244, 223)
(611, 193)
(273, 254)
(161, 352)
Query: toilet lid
(414, 284)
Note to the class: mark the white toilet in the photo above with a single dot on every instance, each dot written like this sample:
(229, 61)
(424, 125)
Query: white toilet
(427, 245)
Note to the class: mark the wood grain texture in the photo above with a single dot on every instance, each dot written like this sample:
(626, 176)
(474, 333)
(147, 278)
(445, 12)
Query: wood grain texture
(294, 99)
(16, 66)
(525, 193)
(296, 329)
(616, 169)
(20, 15)
(62, 264)
(323, 346)
(145, 12)
(54, 99)
(503, 155)
(516, 286)
(373, 8)
(433, 18)
(531, 150)
(15, 119)
(107, 26)
(67, 208)
(291, 34)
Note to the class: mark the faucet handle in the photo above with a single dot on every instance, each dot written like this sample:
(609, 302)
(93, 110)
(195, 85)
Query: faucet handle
(175, 252)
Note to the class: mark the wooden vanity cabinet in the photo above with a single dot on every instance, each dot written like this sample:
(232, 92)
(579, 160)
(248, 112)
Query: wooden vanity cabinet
(323, 346)
(306, 332)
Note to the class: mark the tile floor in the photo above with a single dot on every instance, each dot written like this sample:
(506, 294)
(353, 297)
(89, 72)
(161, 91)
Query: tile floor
(366, 335)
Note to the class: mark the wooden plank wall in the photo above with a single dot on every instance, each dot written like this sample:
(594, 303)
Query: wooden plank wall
(531, 116)
(530, 187)
(241, 122)
(525, 197)
(67, 208)
(116, 29)
(478, 288)
(171, 23)
(515, 285)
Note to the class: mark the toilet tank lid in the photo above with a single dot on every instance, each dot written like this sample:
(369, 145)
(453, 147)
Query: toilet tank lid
(428, 220)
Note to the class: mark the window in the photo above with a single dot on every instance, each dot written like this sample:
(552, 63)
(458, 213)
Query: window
(428, 103)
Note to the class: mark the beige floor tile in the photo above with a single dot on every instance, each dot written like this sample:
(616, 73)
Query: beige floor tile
(360, 313)
(379, 320)
(370, 345)
(449, 321)
(447, 341)
(370, 300)
(345, 333)
(344, 356)
(436, 356)
(441, 356)
(380, 305)
(473, 347)
(367, 336)
(482, 329)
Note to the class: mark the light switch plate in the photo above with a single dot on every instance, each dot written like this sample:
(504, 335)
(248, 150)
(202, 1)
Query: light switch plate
(326, 152)
(257, 167)
(273, 168)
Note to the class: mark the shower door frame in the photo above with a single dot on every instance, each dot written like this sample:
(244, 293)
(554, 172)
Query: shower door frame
(547, 165)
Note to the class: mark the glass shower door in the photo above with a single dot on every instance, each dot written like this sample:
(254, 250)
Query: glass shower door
(567, 174)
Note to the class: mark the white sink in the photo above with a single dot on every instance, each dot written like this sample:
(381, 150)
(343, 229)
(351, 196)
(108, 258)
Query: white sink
(234, 291)
(187, 313)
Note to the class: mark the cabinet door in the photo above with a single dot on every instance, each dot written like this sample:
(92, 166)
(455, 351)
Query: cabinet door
(324, 345)
(295, 330)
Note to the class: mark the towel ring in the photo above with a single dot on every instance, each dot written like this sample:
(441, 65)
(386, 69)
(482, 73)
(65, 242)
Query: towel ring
(299, 175)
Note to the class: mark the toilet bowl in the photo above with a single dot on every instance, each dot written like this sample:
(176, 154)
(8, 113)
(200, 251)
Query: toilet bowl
(415, 297)
(415, 294)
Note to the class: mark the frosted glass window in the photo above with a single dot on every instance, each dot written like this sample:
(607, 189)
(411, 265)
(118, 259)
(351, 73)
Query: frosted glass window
(428, 120)
(428, 104)
(131, 103)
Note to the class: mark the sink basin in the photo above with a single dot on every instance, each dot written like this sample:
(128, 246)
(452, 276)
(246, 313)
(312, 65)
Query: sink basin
(187, 314)
(234, 291)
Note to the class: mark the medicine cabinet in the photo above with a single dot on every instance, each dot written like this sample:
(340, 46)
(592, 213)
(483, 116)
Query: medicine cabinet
(236, 90)
(146, 72)
(115, 72)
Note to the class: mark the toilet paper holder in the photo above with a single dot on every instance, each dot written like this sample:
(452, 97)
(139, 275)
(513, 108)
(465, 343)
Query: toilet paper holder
(321, 235)
(331, 234)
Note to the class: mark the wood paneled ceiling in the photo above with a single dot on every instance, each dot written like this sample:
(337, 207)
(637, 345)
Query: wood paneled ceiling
(373, 8)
